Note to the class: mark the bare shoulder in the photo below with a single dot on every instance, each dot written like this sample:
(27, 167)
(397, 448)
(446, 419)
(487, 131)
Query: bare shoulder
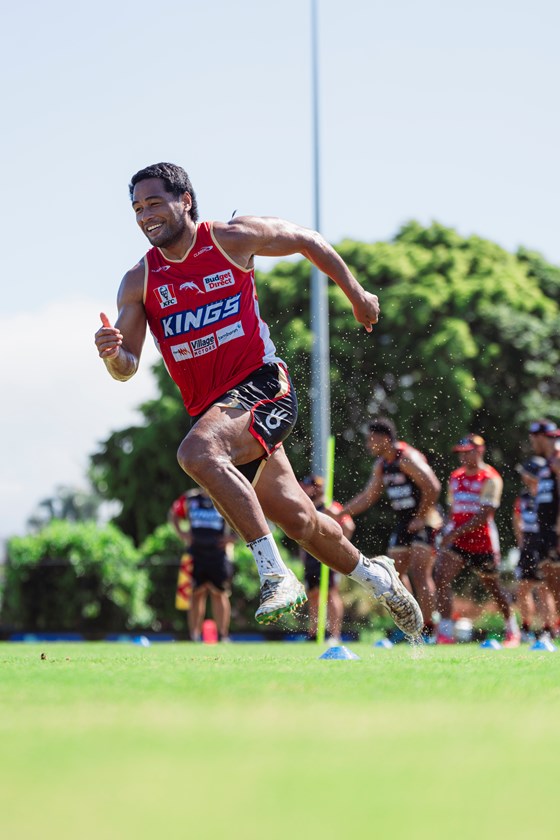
(131, 289)
(414, 457)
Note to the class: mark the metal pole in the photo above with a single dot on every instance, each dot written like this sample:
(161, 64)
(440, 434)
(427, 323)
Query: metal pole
(320, 382)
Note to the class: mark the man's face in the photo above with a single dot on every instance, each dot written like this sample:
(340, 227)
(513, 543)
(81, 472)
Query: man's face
(469, 458)
(378, 443)
(538, 444)
(160, 215)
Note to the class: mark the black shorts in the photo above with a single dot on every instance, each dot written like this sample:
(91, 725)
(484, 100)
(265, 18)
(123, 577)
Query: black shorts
(313, 573)
(214, 568)
(401, 537)
(548, 540)
(529, 566)
(270, 397)
(486, 564)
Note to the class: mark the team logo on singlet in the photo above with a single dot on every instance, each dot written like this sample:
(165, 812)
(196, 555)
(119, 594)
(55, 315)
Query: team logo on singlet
(194, 319)
(203, 250)
(201, 346)
(166, 295)
(182, 352)
(190, 284)
(230, 332)
(218, 280)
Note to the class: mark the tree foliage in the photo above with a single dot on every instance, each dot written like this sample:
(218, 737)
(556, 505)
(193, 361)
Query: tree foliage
(468, 340)
(74, 576)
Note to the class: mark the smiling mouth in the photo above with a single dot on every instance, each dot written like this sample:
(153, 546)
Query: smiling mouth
(154, 228)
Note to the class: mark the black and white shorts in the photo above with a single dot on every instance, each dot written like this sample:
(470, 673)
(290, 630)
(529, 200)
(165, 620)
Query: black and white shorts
(268, 394)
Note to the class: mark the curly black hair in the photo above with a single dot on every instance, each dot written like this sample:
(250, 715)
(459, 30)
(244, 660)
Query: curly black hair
(175, 179)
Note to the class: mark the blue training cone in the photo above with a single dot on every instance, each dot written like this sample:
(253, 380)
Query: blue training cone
(384, 643)
(339, 652)
(544, 644)
(491, 644)
(143, 641)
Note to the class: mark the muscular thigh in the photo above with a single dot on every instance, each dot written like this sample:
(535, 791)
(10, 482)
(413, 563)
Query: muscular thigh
(279, 493)
(224, 432)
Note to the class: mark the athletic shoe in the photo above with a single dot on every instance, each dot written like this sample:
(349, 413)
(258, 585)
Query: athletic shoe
(512, 639)
(400, 604)
(280, 595)
(441, 639)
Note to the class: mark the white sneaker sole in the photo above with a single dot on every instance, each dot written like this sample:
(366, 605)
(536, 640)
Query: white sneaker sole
(293, 601)
(399, 603)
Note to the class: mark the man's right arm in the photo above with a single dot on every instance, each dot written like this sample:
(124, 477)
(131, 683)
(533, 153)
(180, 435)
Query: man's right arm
(120, 346)
(368, 497)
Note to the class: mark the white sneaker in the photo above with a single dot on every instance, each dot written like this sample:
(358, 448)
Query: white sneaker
(401, 605)
(280, 595)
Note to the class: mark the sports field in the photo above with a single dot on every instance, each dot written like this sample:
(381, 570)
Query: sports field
(267, 741)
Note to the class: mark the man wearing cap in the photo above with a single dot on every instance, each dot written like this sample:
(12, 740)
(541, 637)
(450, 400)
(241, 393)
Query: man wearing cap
(413, 491)
(314, 487)
(543, 436)
(470, 537)
(529, 569)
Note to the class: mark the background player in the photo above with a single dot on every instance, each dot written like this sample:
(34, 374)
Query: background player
(413, 489)
(527, 534)
(210, 542)
(470, 537)
(543, 436)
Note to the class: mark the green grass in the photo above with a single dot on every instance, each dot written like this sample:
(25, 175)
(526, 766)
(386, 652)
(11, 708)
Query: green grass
(267, 741)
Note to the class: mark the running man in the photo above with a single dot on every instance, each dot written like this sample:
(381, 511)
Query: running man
(195, 289)
(314, 487)
(209, 540)
(413, 491)
(470, 537)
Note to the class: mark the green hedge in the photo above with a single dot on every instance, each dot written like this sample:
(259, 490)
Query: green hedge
(80, 577)
(74, 577)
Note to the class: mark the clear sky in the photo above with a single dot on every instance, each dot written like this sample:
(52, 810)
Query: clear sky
(434, 110)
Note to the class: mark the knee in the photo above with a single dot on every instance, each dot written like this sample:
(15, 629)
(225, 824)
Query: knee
(192, 458)
(299, 523)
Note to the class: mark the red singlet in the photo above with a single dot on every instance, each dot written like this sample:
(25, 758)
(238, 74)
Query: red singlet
(203, 314)
(466, 495)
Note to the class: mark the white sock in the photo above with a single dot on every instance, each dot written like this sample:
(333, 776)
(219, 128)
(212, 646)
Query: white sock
(511, 624)
(371, 575)
(267, 557)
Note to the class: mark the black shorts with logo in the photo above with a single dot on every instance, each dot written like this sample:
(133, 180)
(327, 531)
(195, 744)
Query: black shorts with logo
(269, 395)
(313, 573)
(401, 537)
(485, 563)
(548, 541)
(529, 566)
(211, 566)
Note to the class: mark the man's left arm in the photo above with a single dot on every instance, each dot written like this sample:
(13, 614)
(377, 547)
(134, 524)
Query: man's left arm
(427, 482)
(245, 237)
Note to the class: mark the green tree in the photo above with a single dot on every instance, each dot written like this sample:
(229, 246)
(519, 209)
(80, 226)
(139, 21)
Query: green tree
(69, 503)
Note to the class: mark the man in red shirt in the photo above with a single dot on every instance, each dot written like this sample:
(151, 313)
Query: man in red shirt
(470, 537)
(195, 290)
